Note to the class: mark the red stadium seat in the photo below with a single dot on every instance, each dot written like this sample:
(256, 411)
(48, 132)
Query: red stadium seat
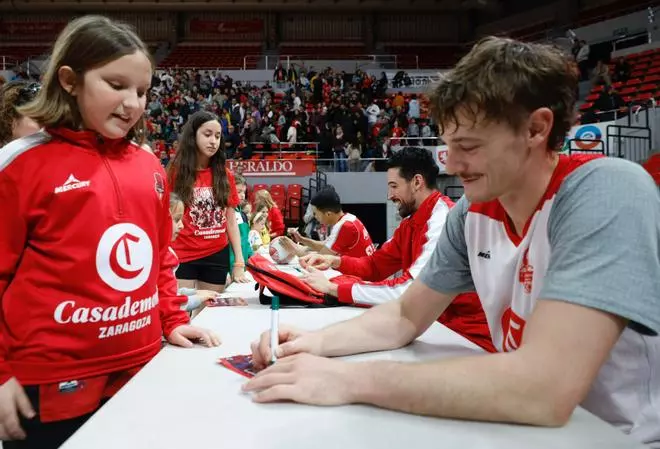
(294, 191)
(294, 213)
(258, 187)
(277, 190)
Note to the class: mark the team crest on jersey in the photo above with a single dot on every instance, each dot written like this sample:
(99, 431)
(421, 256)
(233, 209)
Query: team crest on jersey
(526, 273)
(159, 185)
(513, 327)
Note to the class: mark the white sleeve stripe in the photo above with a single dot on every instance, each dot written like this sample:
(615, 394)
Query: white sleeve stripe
(378, 294)
(19, 146)
(434, 228)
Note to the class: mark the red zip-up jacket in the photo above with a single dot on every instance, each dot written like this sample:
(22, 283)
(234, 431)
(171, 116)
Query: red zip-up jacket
(406, 253)
(84, 285)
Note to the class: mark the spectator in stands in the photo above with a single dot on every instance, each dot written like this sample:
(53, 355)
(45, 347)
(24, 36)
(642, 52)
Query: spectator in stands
(412, 186)
(354, 150)
(373, 111)
(413, 107)
(396, 133)
(292, 133)
(264, 202)
(339, 148)
(563, 251)
(621, 70)
(257, 118)
(232, 141)
(582, 58)
(601, 74)
(13, 125)
(413, 133)
(199, 176)
(349, 237)
(609, 100)
(56, 371)
(399, 101)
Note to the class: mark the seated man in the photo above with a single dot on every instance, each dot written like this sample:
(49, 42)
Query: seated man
(563, 251)
(349, 237)
(411, 184)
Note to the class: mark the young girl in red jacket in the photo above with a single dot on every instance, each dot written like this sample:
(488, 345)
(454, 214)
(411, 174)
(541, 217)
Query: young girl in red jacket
(85, 288)
(199, 177)
(263, 201)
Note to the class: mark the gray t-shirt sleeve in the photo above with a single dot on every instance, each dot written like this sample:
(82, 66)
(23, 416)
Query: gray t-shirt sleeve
(448, 270)
(604, 234)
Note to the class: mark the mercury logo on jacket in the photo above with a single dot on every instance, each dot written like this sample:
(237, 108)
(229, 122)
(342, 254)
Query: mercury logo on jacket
(84, 284)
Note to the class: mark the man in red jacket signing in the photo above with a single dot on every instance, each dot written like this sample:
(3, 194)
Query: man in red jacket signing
(411, 184)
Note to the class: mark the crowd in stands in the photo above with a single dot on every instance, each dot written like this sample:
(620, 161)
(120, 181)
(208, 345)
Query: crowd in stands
(351, 116)
(616, 84)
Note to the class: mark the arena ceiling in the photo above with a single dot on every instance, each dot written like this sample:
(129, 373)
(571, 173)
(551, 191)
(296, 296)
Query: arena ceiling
(230, 5)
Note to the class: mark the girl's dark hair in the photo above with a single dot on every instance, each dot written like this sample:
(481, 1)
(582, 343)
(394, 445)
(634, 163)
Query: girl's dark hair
(182, 171)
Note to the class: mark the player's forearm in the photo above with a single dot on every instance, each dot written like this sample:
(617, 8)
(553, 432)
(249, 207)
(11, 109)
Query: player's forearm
(378, 329)
(312, 244)
(495, 387)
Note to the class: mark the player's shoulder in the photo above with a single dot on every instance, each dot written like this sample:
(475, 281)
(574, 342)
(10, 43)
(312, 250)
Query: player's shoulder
(607, 177)
(351, 226)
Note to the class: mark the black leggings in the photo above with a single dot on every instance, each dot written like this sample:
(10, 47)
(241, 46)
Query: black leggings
(50, 435)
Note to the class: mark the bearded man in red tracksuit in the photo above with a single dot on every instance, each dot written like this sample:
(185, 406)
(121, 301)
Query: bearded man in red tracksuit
(411, 183)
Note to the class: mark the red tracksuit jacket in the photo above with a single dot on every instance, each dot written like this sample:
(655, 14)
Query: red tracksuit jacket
(406, 253)
(83, 237)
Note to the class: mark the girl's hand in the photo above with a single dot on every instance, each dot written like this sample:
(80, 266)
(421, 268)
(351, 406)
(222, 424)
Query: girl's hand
(238, 274)
(229, 302)
(186, 335)
(206, 295)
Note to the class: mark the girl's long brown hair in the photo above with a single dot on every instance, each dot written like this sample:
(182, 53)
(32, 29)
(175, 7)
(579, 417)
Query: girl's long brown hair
(85, 43)
(182, 172)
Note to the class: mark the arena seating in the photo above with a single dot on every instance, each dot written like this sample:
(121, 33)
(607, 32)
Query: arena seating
(642, 86)
(322, 51)
(287, 197)
(222, 57)
(22, 52)
(424, 56)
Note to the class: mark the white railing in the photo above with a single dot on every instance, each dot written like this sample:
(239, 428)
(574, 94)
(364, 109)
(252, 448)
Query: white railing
(7, 62)
(270, 62)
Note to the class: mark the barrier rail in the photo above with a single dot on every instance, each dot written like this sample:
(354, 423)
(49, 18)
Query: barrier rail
(270, 62)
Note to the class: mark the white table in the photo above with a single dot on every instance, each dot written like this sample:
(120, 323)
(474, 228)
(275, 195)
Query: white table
(184, 399)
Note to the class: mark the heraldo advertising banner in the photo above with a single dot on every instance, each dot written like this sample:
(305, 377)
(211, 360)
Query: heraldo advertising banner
(273, 168)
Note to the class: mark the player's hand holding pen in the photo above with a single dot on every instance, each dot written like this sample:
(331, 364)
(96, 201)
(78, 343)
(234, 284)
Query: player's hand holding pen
(291, 341)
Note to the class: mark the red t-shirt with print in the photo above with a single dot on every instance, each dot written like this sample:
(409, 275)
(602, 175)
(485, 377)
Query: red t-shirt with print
(204, 222)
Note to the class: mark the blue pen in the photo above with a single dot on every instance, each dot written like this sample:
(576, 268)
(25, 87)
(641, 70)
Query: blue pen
(274, 326)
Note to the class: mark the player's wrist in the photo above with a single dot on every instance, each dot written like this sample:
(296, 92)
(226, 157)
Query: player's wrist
(333, 290)
(335, 261)
(362, 381)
